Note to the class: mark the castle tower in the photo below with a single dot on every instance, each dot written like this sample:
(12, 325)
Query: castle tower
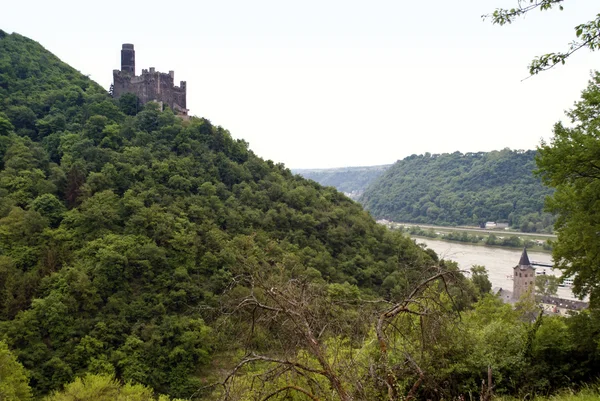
(523, 277)
(128, 59)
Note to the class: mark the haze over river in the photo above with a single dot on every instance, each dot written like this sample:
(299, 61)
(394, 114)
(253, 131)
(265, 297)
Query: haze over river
(498, 261)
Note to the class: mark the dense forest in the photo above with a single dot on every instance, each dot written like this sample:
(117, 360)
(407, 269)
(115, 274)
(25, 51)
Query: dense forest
(462, 189)
(352, 181)
(143, 256)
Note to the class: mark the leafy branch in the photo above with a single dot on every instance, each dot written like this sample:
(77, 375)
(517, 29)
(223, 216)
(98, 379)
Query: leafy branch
(587, 34)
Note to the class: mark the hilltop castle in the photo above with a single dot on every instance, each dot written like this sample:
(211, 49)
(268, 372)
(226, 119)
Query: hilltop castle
(150, 86)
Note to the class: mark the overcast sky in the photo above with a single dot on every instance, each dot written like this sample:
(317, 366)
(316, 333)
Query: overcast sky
(334, 83)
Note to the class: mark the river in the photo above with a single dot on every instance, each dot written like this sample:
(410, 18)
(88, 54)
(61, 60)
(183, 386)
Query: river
(498, 261)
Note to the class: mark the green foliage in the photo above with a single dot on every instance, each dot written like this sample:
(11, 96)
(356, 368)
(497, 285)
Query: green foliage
(5, 126)
(104, 388)
(121, 232)
(569, 163)
(546, 285)
(13, 377)
(450, 354)
(462, 189)
(124, 237)
(129, 104)
(588, 393)
(512, 241)
(479, 277)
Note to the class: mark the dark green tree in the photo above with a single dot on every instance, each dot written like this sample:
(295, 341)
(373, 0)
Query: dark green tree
(570, 163)
(129, 104)
(5, 126)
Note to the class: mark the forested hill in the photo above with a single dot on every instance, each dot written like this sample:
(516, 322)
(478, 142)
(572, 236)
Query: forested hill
(350, 180)
(457, 189)
(140, 247)
(120, 231)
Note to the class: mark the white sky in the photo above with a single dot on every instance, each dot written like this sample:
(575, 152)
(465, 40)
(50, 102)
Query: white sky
(334, 83)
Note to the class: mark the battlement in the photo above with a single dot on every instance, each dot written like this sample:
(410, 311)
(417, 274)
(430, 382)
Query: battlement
(150, 86)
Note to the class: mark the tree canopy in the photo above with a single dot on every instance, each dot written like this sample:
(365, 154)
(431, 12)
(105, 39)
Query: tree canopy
(570, 163)
(458, 189)
(13, 377)
(122, 226)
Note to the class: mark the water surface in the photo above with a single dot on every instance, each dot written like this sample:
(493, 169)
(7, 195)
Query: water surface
(498, 261)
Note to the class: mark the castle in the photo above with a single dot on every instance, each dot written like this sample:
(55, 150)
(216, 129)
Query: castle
(150, 86)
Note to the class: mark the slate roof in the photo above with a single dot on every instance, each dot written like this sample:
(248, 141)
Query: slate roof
(524, 261)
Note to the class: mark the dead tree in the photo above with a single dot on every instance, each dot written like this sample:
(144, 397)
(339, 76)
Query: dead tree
(410, 305)
(300, 308)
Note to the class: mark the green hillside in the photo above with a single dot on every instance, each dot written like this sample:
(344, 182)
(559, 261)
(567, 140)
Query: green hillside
(351, 180)
(119, 233)
(462, 189)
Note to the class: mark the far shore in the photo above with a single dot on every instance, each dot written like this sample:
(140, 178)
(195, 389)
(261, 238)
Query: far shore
(535, 248)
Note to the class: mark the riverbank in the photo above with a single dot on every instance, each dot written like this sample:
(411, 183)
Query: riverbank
(475, 236)
(533, 247)
(472, 230)
(498, 261)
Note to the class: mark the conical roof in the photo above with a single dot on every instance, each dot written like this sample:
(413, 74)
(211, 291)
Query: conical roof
(524, 261)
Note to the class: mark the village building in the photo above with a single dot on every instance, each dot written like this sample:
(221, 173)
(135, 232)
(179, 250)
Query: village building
(523, 277)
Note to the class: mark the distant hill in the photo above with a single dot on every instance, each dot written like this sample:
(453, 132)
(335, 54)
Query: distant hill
(352, 181)
(462, 189)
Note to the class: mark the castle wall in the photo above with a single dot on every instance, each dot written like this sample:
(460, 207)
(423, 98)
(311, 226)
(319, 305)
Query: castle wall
(151, 86)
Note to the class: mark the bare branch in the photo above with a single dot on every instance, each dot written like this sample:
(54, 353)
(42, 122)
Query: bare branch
(587, 34)
(299, 389)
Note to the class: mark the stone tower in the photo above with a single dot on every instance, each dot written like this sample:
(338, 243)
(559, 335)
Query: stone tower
(128, 58)
(150, 86)
(523, 277)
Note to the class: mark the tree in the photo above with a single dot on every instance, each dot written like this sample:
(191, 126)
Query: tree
(5, 126)
(104, 388)
(13, 377)
(479, 277)
(546, 285)
(587, 35)
(571, 164)
(50, 207)
(322, 329)
(129, 104)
